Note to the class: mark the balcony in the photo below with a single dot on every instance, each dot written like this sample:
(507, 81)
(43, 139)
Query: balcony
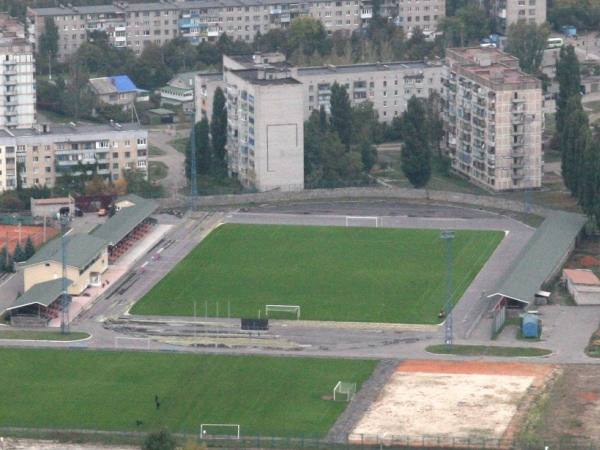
(366, 13)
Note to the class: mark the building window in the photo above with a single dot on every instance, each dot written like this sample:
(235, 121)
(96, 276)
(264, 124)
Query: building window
(115, 165)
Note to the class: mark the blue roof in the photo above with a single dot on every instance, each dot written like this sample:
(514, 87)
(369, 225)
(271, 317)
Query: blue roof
(123, 84)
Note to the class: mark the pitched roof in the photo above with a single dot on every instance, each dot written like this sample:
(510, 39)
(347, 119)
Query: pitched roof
(541, 257)
(185, 79)
(582, 276)
(81, 249)
(41, 294)
(126, 219)
(113, 85)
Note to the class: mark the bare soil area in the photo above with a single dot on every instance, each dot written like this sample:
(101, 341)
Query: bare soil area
(458, 399)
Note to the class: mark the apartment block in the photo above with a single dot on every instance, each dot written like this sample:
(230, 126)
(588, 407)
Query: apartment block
(133, 25)
(265, 130)
(46, 152)
(493, 119)
(508, 12)
(17, 99)
(388, 86)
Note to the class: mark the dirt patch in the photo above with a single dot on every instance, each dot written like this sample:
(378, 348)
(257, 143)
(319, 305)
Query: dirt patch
(10, 234)
(569, 409)
(588, 261)
(458, 399)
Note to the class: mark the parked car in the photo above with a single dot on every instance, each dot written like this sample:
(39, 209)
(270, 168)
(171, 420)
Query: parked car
(102, 212)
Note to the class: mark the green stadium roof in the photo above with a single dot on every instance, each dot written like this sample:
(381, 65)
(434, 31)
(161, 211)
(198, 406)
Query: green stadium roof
(126, 219)
(541, 257)
(41, 294)
(81, 249)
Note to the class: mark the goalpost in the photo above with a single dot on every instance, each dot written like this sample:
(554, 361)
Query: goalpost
(145, 342)
(215, 431)
(363, 221)
(283, 308)
(344, 392)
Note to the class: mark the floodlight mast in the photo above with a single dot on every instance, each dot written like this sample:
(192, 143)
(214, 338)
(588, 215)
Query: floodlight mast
(65, 326)
(448, 235)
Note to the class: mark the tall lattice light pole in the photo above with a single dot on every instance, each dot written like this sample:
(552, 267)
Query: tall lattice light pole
(65, 324)
(447, 236)
(193, 171)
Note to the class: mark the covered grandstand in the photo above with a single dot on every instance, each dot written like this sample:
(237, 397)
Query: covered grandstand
(538, 264)
(38, 305)
(130, 223)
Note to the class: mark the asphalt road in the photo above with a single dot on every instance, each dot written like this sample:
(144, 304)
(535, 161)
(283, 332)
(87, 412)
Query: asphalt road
(566, 329)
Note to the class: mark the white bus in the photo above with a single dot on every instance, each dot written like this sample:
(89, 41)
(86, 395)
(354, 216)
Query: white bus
(555, 43)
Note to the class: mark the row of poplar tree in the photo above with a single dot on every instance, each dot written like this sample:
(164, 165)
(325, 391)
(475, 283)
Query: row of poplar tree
(20, 254)
(579, 144)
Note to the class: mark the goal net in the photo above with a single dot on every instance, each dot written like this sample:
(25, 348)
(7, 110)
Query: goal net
(358, 221)
(283, 308)
(344, 392)
(219, 431)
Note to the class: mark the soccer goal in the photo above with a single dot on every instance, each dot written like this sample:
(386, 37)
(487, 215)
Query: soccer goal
(358, 221)
(219, 431)
(132, 342)
(344, 392)
(283, 308)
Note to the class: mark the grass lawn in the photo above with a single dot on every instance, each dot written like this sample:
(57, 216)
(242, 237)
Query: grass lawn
(179, 144)
(483, 350)
(42, 335)
(111, 390)
(157, 170)
(155, 151)
(356, 274)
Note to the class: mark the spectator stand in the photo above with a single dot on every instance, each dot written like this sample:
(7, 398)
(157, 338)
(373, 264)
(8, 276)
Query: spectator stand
(38, 305)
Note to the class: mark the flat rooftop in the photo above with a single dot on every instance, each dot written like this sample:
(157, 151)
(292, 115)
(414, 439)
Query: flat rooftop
(64, 130)
(363, 68)
(252, 76)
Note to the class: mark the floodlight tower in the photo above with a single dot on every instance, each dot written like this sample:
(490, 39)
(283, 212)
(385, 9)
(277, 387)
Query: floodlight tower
(193, 174)
(65, 326)
(448, 235)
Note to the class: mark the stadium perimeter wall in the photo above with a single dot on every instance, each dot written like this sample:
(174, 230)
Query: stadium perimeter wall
(372, 192)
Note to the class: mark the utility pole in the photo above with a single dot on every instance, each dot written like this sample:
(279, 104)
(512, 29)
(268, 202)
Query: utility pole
(448, 235)
(65, 326)
(50, 65)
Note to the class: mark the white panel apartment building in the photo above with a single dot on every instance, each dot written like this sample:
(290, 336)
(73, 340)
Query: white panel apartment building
(493, 119)
(265, 132)
(508, 12)
(132, 25)
(17, 98)
(48, 151)
(388, 86)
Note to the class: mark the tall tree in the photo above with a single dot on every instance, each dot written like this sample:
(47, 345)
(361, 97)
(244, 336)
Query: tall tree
(589, 188)
(341, 114)
(19, 253)
(218, 133)
(574, 139)
(569, 82)
(204, 157)
(49, 39)
(416, 152)
(309, 35)
(29, 248)
(527, 42)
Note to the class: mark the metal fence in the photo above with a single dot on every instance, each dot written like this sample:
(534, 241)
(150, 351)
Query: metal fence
(308, 442)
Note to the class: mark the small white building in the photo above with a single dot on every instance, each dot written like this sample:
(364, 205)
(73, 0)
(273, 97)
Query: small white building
(583, 285)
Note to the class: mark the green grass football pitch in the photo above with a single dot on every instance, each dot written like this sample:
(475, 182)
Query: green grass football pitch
(98, 390)
(333, 273)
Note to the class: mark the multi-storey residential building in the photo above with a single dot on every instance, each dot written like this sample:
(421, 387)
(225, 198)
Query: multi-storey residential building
(493, 119)
(45, 153)
(508, 12)
(388, 86)
(265, 131)
(133, 25)
(17, 100)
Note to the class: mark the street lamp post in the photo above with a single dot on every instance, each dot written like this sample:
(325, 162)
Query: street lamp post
(50, 65)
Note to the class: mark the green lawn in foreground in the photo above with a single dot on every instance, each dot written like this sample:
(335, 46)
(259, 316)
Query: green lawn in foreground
(332, 273)
(42, 335)
(111, 390)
